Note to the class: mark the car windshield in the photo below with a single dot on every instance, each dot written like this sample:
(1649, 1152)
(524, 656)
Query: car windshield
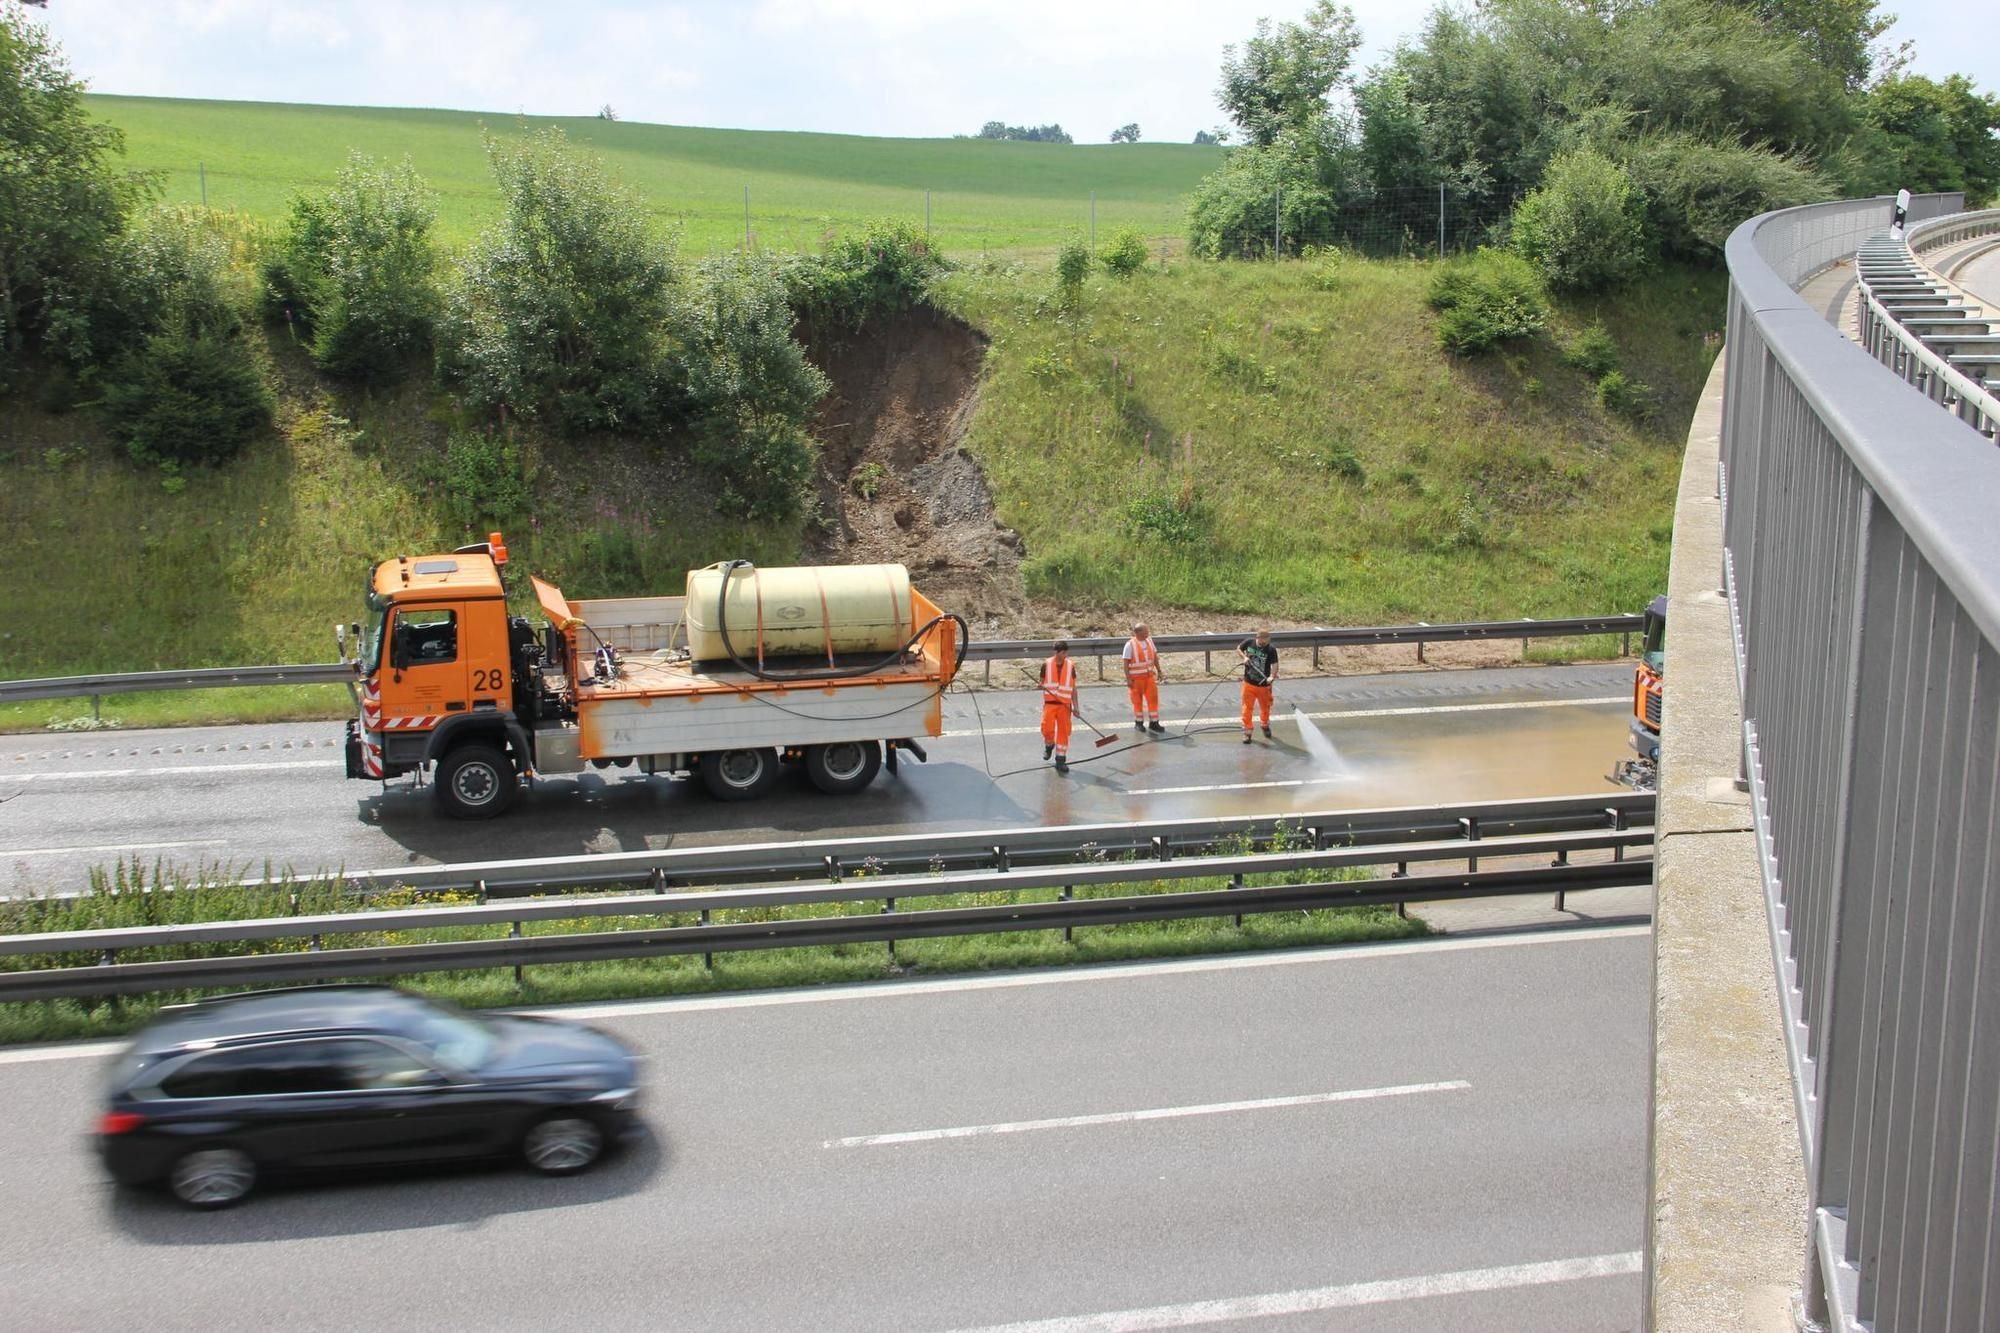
(454, 1036)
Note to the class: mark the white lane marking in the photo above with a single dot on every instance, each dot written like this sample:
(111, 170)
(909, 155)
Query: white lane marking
(896, 990)
(32, 1055)
(177, 770)
(1238, 786)
(877, 990)
(1315, 1299)
(1153, 1113)
(1229, 719)
(114, 847)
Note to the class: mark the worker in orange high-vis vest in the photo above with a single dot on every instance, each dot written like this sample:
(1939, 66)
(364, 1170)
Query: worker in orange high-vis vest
(1260, 673)
(1058, 704)
(1142, 678)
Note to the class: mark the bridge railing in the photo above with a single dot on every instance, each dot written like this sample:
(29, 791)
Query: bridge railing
(1863, 583)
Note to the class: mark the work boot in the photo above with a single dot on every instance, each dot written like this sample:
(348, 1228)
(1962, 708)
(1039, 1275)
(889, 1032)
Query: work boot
(1047, 750)
(1267, 733)
(1062, 763)
(1154, 725)
(1246, 738)
(1138, 724)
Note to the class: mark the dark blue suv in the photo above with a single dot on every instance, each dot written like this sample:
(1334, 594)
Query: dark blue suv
(212, 1096)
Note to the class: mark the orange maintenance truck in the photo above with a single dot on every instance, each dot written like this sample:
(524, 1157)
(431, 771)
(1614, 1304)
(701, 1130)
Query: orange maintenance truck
(837, 668)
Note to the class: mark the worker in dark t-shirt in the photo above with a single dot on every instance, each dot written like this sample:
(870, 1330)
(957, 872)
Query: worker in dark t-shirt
(1260, 673)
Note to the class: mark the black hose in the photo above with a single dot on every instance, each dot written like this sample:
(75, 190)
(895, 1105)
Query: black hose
(729, 567)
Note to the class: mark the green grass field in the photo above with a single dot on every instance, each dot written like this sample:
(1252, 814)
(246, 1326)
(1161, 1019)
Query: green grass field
(985, 195)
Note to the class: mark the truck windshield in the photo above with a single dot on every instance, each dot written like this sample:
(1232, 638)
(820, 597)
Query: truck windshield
(371, 641)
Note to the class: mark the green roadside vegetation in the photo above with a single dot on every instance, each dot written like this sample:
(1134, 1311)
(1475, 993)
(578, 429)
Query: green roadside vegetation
(132, 895)
(1286, 439)
(985, 194)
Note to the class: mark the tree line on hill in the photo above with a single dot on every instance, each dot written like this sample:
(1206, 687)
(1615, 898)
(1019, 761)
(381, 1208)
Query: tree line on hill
(1606, 135)
(569, 312)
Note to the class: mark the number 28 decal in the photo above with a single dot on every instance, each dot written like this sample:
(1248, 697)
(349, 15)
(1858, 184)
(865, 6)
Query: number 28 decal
(485, 679)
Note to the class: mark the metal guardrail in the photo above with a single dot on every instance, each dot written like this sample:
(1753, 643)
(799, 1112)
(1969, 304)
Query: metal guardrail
(1454, 833)
(1864, 589)
(985, 650)
(1925, 328)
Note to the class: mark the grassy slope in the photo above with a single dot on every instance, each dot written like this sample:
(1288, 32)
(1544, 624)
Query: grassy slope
(985, 195)
(1488, 488)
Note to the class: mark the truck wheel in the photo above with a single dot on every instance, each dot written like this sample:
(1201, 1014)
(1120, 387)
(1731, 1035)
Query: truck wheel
(475, 782)
(739, 775)
(844, 766)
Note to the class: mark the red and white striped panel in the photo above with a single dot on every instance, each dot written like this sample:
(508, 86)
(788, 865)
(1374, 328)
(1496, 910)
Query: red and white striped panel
(410, 723)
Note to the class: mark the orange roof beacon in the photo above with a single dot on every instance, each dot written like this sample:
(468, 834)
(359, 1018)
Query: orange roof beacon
(836, 667)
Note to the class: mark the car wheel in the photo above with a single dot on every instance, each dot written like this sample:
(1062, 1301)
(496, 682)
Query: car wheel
(739, 775)
(212, 1177)
(563, 1145)
(476, 782)
(844, 766)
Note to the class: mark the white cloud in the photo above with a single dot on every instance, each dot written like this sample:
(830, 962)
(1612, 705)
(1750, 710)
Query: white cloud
(858, 66)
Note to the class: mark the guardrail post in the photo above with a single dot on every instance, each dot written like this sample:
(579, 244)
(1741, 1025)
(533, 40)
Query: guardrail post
(1468, 828)
(1069, 895)
(1162, 849)
(889, 909)
(107, 958)
(707, 958)
(1625, 648)
(1236, 882)
(1208, 661)
(1618, 825)
(832, 864)
(989, 671)
(94, 702)
(1315, 657)
(1562, 859)
(478, 890)
(658, 879)
(1100, 666)
(1000, 859)
(1420, 652)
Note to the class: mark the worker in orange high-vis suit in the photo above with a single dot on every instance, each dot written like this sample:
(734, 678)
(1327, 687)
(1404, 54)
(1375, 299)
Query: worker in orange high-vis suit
(1058, 704)
(1260, 673)
(1142, 678)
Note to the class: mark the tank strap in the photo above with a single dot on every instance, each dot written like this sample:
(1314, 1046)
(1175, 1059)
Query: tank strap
(825, 615)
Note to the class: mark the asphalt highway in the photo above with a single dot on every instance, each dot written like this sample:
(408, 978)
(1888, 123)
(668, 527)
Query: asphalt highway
(1981, 277)
(1446, 1133)
(248, 798)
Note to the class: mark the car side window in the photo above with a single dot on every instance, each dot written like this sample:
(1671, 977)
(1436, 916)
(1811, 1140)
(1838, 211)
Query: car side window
(219, 1074)
(373, 1065)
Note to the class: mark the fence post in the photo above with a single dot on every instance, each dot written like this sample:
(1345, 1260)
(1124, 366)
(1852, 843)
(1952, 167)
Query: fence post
(1277, 221)
(1440, 220)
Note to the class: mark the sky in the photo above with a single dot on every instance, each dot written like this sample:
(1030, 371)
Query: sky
(903, 68)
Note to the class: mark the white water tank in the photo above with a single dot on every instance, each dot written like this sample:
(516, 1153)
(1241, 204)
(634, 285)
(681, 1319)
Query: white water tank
(799, 612)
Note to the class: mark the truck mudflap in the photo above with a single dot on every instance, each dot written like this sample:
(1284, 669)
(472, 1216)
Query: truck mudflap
(889, 749)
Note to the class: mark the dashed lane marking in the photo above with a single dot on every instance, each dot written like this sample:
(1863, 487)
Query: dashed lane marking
(1316, 1299)
(1134, 1117)
(8, 852)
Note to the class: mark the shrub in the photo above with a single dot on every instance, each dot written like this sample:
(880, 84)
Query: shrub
(885, 268)
(1181, 519)
(1072, 267)
(1487, 298)
(186, 397)
(1696, 190)
(483, 482)
(1324, 273)
(1625, 397)
(562, 308)
(1125, 253)
(1593, 352)
(356, 266)
(761, 466)
(181, 386)
(1584, 227)
(1234, 211)
(733, 346)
